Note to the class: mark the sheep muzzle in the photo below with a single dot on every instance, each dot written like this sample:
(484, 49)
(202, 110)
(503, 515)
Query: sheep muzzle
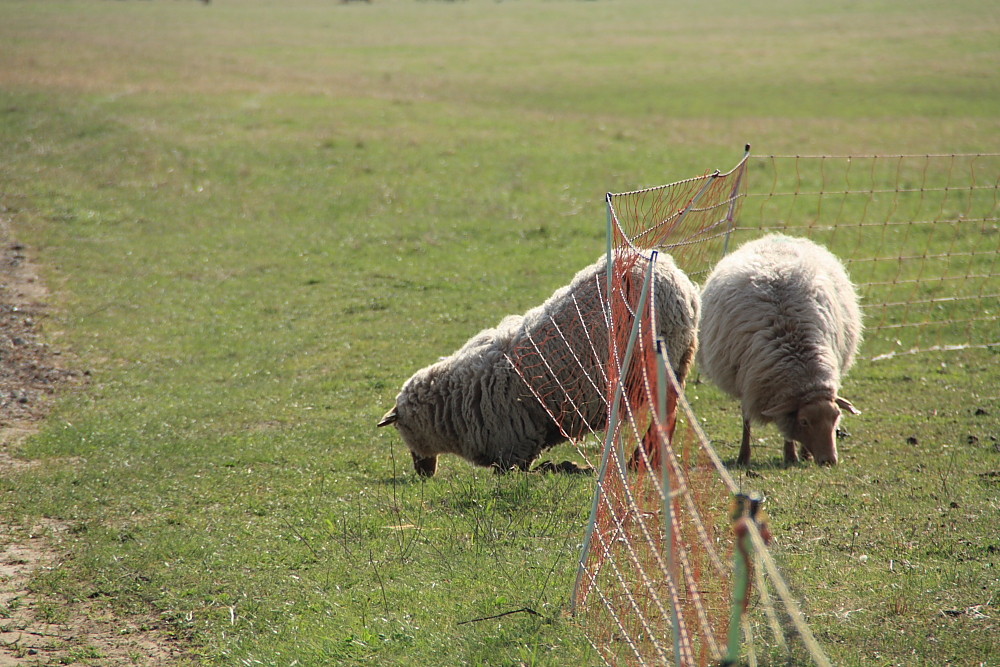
(425, 466)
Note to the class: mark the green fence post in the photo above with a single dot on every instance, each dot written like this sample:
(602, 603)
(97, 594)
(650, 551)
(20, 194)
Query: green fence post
(744, 511)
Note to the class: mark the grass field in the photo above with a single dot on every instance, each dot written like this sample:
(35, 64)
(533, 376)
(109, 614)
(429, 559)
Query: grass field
(256, 220)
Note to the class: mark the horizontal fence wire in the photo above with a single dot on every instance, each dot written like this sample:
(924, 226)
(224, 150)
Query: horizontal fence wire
(919, 234)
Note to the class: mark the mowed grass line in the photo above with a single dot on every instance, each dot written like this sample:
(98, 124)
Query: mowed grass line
(256, 221)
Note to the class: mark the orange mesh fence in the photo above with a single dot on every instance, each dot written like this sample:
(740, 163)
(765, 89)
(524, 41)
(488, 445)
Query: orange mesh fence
(564, 362)
(655, 581)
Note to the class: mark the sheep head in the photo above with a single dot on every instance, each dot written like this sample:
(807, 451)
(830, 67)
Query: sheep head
(814, 425)
(425, 466)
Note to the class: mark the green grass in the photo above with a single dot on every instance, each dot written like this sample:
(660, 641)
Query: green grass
(893, 553)
(256, 220)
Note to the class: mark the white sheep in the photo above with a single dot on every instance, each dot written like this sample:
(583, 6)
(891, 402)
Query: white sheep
(475, 404)
(780, 327)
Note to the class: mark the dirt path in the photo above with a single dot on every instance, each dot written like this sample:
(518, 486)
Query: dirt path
(30, 376)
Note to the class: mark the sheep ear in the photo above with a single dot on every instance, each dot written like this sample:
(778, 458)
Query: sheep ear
(779, 410)
(846, 405)
(388, 418)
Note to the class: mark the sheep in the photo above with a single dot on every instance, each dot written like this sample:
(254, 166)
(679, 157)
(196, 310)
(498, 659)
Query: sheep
(475, 404)
(780, 327)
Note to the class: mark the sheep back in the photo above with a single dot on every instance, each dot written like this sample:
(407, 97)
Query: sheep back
(571, 329)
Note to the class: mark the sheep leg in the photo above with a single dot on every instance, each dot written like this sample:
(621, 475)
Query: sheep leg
(744, 458)
(790, 456)
(651, 440)
(638, 459)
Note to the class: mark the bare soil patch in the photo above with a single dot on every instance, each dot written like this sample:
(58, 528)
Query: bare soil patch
(81, 633)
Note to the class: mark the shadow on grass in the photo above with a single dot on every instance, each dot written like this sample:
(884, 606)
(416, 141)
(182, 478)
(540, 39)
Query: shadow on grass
(403, 480)
(755, 467)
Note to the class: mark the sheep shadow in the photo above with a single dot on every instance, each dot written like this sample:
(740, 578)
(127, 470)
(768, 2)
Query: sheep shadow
(408, 478)
(772, 464)
(563, 468)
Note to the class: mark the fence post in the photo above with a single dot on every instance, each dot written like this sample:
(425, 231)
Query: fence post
(745, 510)
(668, 519)
(610, 439)
(733, 198)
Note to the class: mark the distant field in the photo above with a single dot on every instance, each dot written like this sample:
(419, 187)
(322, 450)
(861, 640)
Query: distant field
(256, 220)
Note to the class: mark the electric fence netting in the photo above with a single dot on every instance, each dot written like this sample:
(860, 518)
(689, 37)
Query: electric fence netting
(918, 234)
(674, 568)
(655, 580)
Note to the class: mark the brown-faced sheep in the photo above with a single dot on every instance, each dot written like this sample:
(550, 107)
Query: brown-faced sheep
(780, 327)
